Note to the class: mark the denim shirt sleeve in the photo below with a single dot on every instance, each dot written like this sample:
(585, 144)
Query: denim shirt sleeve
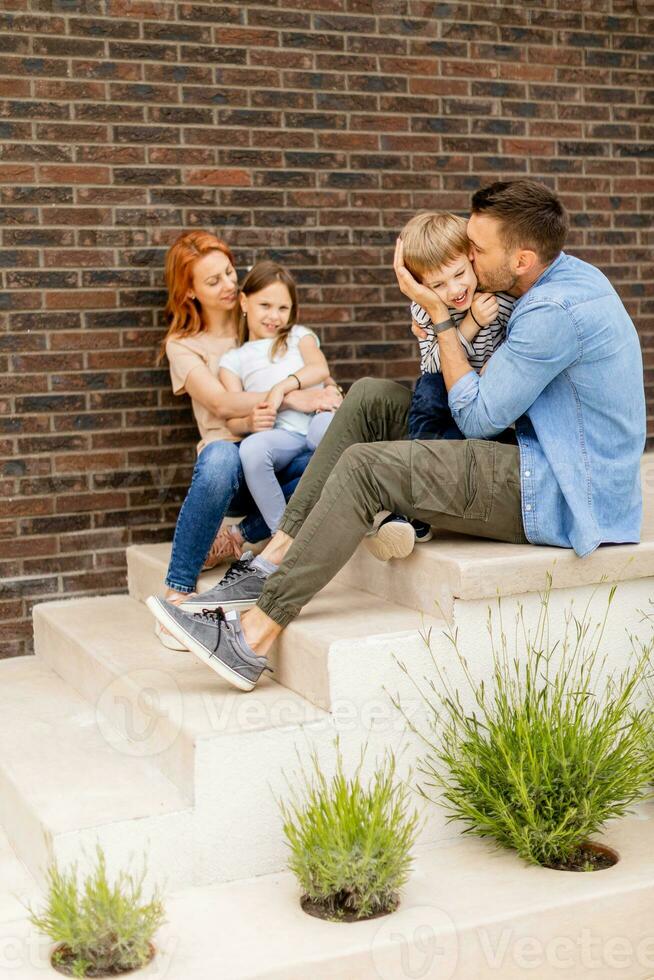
(542, 342)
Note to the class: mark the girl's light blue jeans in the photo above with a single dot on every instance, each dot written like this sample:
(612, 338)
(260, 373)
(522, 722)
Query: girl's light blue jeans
(265, 454)
(218, 488)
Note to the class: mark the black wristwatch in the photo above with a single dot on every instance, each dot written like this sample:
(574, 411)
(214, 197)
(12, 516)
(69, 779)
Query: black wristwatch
(444, 325)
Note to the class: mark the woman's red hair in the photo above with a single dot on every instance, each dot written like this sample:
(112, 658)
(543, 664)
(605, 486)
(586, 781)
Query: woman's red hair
(183, 314)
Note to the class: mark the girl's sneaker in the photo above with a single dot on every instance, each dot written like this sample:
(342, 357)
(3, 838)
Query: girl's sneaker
(392, 536)
(422, 530)
(224, 546)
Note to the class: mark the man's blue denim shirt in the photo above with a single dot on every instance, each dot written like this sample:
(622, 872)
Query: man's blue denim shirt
(570, 375)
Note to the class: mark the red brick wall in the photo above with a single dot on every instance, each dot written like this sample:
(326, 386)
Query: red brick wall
(305, 129)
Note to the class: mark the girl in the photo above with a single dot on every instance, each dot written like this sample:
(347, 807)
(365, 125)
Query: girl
(203, 314)
(276, 356)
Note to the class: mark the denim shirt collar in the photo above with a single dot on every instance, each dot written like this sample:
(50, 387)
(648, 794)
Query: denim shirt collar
(544, 277)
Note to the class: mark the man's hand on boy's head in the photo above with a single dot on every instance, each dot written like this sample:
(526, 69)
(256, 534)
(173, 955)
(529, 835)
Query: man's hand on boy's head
(485, 308)
(423, 295)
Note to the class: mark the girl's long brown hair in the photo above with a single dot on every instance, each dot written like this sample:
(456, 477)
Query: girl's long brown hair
(261, 275)
(183, 314)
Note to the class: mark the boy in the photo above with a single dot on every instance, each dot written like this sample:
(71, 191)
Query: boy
(436, 250)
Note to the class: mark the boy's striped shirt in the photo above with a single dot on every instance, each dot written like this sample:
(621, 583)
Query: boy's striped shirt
(485, 343)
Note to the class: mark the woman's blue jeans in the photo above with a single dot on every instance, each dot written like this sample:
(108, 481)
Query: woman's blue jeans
(218, 488)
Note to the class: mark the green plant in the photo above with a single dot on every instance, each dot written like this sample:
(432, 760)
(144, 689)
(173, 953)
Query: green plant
(102, 927)
(547, 753)
(351, 843)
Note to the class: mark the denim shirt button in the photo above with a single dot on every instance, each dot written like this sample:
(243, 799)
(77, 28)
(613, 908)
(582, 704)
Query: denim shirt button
(527, 506)
(527, 472)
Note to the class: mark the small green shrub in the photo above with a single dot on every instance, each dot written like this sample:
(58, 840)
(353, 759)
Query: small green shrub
(104, 927)
(351, 843)
(549, 752)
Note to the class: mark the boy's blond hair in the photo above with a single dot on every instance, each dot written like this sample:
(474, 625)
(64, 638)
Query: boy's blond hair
(433, 239)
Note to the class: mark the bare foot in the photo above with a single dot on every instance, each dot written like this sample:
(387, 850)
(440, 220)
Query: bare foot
(259, 630)
(177, 597)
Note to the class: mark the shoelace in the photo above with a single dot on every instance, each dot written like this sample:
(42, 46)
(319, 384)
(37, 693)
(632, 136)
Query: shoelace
(214, 616)
(236, 569)
(217, 616)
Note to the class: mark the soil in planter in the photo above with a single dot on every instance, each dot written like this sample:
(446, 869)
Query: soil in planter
(64, 964)
(340, 912)
(588, 857)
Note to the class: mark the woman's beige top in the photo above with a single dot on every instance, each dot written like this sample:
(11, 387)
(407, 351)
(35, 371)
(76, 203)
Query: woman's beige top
(184, 355)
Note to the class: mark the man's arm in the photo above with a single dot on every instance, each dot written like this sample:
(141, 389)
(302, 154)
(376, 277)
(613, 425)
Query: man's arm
(542, 343)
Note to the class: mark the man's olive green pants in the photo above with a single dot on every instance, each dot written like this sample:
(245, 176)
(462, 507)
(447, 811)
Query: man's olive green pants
(365, 464)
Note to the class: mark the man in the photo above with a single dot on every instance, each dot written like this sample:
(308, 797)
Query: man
(569, 376)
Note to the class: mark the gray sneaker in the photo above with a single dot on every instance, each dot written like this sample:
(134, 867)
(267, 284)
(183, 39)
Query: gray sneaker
(217, 639)
(239, 588)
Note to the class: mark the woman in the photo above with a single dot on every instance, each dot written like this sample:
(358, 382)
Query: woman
(203, 312)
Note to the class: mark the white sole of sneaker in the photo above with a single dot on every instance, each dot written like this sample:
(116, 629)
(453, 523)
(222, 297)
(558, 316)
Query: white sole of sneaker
(162, 616)
(394, 540)
(196, 607)
(167, 639)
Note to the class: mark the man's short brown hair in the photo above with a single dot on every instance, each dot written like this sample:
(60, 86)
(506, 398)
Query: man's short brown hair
(433, 239)
(531, 215)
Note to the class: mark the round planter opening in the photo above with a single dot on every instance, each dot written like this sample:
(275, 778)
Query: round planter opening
(589, 856)
(64, 965)
(321, 910)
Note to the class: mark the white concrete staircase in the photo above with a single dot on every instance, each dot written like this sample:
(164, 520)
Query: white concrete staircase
(108, 736)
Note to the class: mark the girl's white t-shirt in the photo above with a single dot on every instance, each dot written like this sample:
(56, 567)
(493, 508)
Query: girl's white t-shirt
(252, 364)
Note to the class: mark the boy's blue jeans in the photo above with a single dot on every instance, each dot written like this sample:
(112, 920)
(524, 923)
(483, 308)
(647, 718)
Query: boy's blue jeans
(218, 488)
(429, 415)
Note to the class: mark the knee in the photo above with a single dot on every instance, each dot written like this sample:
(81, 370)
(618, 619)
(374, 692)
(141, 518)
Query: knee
(372, 395)
(356, 456)
(219, 462)
(365, 389)
(253, 452)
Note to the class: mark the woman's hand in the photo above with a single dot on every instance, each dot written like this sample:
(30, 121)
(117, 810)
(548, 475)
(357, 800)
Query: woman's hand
(415, 291)
(261, 417)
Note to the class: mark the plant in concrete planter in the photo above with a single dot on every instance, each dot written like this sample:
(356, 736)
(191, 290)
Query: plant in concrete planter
(101, 929)
(541, 758)
(350, 843)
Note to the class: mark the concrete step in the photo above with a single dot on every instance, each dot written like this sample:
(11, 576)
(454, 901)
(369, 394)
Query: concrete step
(225, 753)
(468, 911)
(65, 785)
(453, 568)
(17, 885)
(340, 648)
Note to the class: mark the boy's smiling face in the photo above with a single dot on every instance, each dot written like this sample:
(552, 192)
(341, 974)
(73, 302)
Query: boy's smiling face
(454, 282)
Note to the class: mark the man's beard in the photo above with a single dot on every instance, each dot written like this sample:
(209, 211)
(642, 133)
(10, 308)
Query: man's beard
(502, 280)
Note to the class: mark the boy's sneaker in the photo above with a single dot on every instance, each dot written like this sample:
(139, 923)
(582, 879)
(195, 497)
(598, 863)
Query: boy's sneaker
(216, 639)
(422, 531)
(239, 588)
(391, 537)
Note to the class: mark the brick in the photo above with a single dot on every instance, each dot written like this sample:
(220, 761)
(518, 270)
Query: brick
(74, 174)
